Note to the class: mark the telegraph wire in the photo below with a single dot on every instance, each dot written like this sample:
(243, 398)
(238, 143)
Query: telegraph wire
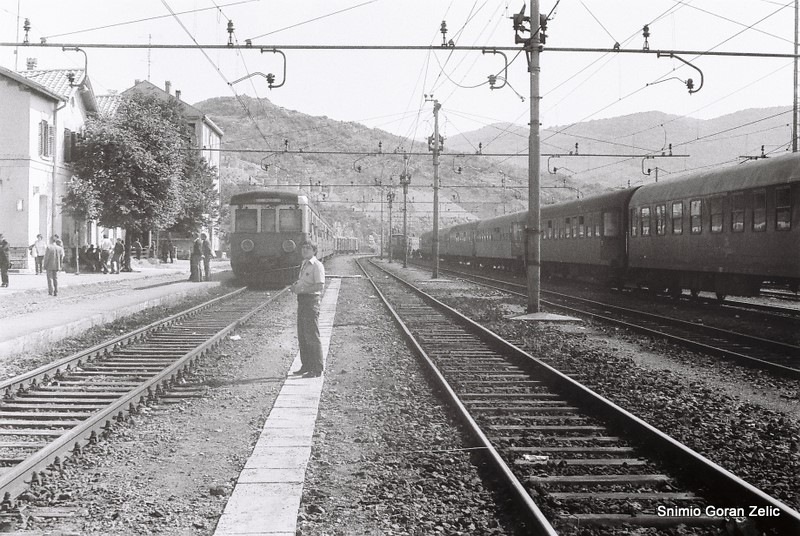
(734, 21)
(116, 24)
(314, 19)
(216, 68)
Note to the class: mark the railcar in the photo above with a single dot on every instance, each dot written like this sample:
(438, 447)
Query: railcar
(346, 244)
(267, 228)
(725, 231)
(585, 239)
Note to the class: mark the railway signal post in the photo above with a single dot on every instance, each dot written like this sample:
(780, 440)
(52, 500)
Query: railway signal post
(390, 199)
(435, 145)
(405, 180)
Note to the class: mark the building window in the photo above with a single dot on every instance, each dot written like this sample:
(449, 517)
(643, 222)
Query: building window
(246, 220)
(661, 219)
(783, 209)
(677, 217)
(695, 216)
(737, 213)
(716, 214)
(634, 223)
(759, 211)
(46, 139)
(645, 221)
(267, 220)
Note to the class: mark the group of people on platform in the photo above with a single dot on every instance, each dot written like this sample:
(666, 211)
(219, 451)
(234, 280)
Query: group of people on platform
(49, 259)
(107, 257)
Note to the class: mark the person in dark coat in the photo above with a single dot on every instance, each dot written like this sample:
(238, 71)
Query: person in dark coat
(194, 258)
(116, 257)
(52, 264)
(208, 254)
(5, 260)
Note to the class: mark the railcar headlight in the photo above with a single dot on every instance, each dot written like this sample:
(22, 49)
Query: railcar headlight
(247, 245)
(289, 246)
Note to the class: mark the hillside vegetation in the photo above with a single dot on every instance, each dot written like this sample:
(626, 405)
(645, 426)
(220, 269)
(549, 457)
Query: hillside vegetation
(485, 186)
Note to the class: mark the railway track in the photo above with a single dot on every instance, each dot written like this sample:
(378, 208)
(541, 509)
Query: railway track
(51, 413)
(778, 357)
(564, 451)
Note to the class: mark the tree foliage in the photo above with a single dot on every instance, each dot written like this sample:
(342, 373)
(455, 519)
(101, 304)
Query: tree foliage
(138, 169)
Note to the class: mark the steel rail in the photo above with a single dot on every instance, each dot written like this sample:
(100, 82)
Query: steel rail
(531, 511)
(784, 370)
(696, 467)
(15, 481)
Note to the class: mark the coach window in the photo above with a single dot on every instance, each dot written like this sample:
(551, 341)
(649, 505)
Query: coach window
(290, 219)
(759, 211)
(661, 219)
(581, 227)
(677, 217)
(589, 221)
(783, 209)
(267, 220)
(695, 212)
(247, 220)
(568, 227)
(645, 221)
(610, 223)
(716, 214)
(737, 213)
(634, 221)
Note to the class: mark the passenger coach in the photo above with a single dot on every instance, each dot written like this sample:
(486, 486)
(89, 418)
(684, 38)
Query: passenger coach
(267, 228)
(726, 231)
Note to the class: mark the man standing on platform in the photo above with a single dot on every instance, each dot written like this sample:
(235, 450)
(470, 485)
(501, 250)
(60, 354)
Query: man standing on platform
(309, 287)
(106, 246)
(37, 249)
(194, 258)
(208, 254)
(53, 259)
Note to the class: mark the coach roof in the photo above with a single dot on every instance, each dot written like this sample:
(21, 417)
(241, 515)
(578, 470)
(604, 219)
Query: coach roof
(267, 196)
(778, 170)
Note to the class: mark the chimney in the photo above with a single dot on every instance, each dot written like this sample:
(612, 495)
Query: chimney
(167, 86)
(136, 82)
(31, 62)
(178, 94)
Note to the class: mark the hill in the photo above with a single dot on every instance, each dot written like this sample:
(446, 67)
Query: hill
(484, 186)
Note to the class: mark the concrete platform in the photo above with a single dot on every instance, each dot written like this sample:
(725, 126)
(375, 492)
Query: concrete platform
(74, 312)
(266, 499)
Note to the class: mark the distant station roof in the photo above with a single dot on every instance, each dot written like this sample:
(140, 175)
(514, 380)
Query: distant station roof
(66, 83)
(30, 83)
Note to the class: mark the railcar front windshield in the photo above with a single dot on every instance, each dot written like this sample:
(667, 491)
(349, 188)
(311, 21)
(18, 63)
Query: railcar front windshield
(246, 220)
(290, 220)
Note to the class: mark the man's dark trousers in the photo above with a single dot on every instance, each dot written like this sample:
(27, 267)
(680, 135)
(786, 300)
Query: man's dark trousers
(308, 332)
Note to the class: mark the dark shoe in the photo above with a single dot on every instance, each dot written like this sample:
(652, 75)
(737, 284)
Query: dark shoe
(313, 374)
(55, 293)
(300, 372)
(50, 292)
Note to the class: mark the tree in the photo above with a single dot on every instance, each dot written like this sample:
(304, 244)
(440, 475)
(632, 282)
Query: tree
(130, 167)
(200, 202)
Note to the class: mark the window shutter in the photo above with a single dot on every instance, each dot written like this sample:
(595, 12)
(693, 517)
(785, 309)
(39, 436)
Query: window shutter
(67, 145)
(41, 137)
(51, 134)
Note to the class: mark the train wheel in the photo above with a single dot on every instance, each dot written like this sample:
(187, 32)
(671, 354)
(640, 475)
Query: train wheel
(675, 292)
(720, 297)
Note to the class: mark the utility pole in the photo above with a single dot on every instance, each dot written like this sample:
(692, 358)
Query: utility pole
(435, 144)
(380, 184)
(532, 234)
(405, 180)
(390, 198)
(794, 102)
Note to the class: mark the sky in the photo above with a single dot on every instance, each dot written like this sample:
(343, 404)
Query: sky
(386, 89)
